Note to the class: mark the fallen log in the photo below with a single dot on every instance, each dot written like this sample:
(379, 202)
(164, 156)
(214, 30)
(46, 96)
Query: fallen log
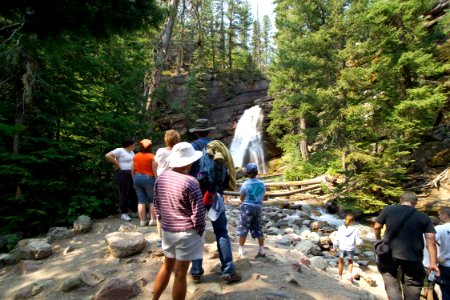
(280, 194)
(321, 179)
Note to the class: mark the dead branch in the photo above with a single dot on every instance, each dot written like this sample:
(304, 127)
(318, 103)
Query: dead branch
(280, 194)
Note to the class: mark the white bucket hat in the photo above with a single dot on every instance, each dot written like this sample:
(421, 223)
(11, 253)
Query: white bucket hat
(183, 154)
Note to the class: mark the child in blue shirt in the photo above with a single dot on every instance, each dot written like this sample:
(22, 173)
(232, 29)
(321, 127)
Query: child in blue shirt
(251, 194)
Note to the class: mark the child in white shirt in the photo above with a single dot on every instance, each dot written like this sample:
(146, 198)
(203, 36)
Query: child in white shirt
(346, 239)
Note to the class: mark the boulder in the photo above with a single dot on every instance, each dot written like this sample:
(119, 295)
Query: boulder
(58, 233)
(316, 225)
(123, 244)
(7, 259)
(319, 262)
(27, 266)
(70, 284)
(82, 224)
(305, 247)
(118, 288)
(33, 249)
(91, 278)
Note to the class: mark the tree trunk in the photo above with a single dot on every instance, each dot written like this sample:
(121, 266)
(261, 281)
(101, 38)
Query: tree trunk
(161, 54)
(303, 141)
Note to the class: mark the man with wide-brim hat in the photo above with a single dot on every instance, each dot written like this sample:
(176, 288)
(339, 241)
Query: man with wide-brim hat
(202, 125)
(202, 130)
(180, 210)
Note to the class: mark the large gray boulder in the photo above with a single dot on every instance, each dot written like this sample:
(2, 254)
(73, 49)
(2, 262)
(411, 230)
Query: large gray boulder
(34, 249)
(123, 244)
(319, 262)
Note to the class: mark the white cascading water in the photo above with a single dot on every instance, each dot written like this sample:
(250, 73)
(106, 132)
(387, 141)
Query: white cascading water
(247, 140)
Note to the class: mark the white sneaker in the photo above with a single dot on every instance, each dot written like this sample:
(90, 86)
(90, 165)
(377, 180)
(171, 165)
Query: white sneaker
(125, 217)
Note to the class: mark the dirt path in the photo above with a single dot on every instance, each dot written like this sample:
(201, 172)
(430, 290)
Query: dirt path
(264, 278)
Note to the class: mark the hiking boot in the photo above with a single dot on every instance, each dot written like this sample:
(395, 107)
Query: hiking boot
(197, 278)
(125, 217)
(231, 278)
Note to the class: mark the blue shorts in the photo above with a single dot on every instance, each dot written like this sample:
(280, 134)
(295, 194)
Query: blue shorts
(250, 219)
(143, 185)
(346, 253)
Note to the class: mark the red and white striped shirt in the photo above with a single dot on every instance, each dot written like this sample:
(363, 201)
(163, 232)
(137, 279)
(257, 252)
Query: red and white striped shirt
(179, 203)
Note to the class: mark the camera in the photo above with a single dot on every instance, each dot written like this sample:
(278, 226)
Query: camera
(439, 281)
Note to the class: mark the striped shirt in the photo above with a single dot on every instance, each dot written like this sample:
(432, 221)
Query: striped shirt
(179, 203)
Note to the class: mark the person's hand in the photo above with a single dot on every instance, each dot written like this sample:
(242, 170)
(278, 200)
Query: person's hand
(434, 268)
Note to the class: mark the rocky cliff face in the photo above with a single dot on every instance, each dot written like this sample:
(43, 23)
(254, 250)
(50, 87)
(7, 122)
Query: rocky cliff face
(225, 106)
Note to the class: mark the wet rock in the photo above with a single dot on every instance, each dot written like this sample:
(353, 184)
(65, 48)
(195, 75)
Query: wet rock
(82, 224)
(283, 223)
(273, 231)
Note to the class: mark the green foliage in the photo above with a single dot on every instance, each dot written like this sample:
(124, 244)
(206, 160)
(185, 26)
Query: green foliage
(363, 75)
(67, 98)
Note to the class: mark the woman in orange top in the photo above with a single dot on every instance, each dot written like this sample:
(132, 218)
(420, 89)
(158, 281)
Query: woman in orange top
(143, 171)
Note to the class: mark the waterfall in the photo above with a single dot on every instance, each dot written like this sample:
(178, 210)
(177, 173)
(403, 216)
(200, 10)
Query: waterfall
(246, 145)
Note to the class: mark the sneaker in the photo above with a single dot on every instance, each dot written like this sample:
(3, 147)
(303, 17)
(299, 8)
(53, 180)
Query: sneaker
(260, 255)
(197, 278)
(235, 277)
(125, 217)
(143, 223)
(152, 223)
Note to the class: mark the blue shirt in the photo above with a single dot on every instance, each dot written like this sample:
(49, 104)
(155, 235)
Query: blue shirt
(253, 191)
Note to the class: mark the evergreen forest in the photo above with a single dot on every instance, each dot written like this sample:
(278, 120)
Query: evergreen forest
(357, 87)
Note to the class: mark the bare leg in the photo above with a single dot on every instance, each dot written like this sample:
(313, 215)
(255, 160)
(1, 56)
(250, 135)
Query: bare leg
(350, 269)
(179, 283)
(261, 241)
(242, 240)
(341, 266)
(141, 212)
(152, 212)
(163, 277)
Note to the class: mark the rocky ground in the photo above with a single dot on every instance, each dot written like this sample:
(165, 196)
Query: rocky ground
(70, 264)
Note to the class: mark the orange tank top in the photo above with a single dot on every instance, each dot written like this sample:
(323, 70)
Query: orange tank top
(143, 163)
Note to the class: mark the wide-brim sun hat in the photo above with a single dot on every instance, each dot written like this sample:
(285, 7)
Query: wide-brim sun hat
(202, 125)
(183, 154)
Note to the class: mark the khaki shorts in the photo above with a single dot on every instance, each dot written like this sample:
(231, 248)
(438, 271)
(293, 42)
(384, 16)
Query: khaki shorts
(184, 246)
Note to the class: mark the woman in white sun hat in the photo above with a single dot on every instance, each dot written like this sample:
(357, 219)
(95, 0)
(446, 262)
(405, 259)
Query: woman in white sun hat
(180, 210)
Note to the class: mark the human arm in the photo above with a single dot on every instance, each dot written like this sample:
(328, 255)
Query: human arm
(377, 230)
(112, 158)
(133, 171)
(432, 252)
(154, 167)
